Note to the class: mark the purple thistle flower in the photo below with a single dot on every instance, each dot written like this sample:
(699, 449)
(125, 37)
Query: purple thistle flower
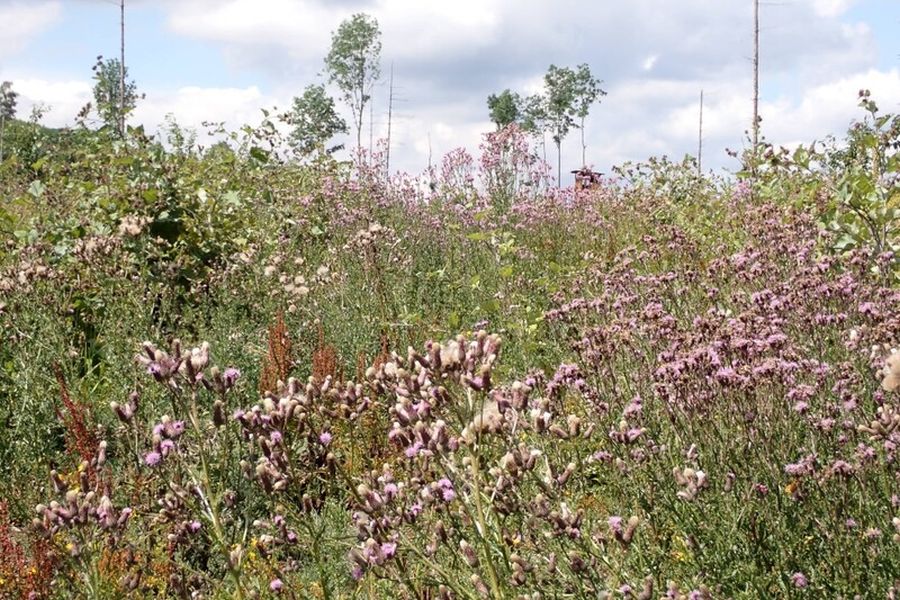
(615, 524)
(275, 585)
(166, 446)
(231, 375)
(389, 549)
(799, 580)
(151, 459)
(325, 438)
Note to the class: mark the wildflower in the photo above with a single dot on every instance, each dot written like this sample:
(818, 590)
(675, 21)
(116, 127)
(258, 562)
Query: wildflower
(324, 438)
(389, 549)
(151, 459)
(276, 585)
(799, 580)
(446, 489)
(891, 372)
(231, 375)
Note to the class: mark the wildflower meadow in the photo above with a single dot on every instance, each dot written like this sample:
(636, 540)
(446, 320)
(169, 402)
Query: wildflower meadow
(228, 375)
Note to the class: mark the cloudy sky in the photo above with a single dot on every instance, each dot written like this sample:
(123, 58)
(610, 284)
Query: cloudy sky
(223, 60)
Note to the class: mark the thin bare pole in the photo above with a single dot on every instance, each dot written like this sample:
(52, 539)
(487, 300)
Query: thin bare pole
(387, 159)
(755, 77)
(122, 69)
(700, 138)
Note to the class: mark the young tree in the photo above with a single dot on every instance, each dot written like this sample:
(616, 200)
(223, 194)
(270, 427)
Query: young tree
(504, 108)
(560, 97)
(587, 92)
(353, 63)
(8, 101)
(534, 119)
(315, 121)
(111, 105)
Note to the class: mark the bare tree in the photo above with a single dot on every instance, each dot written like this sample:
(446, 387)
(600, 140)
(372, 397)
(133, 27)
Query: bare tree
(122, 68)
(755, 129)
(700, 139)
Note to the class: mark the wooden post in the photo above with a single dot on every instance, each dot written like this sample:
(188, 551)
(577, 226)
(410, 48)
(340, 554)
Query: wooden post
(122, 70)
(700, 139)
(755, 77)
(387, 160)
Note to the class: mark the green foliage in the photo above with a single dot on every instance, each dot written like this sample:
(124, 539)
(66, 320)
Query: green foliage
(111, 107)
(504, 108)
(568, 95)
(354, 63)
(8, 100)
(315, 121)
(688, 397)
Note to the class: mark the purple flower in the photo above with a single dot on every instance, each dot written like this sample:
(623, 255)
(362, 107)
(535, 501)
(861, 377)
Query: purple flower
(275, 436)
(325, 438)
(166, 446)
(390, 490)
(389, 549)
(230, 376)
(413, 450)
(275, 585)
(615, 524)
(799, 580)
(194, 526)
(152, 458)
(446, 489)
(356, 572)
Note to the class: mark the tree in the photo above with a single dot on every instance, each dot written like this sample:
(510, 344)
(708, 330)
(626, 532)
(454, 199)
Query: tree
(315, 121)
(8, 101)
(559, 98)
(534, 119)
(504, 108)
(587, 92)
(353, 63)
(111, 106)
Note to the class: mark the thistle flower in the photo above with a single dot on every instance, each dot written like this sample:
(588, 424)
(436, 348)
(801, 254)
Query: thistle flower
(799, 580)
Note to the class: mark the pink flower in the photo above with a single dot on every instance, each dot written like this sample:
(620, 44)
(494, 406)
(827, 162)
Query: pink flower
(151, 459)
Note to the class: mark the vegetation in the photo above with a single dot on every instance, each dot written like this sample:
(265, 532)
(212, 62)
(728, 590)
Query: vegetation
(354, 64)
(226, 373)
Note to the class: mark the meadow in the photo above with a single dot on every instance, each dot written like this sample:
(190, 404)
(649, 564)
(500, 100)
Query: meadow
(227, 375)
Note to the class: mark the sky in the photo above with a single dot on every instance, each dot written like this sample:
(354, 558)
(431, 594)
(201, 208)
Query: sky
(225, 60)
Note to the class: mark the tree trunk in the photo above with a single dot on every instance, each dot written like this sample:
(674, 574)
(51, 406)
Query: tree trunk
(755, 77)
(559, 164)
(583, 145)
(121, 123)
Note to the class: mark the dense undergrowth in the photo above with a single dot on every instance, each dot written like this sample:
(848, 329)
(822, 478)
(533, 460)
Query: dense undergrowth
(223, 375)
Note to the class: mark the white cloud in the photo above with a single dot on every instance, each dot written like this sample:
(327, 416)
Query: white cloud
(22, 21)
(62, 99)
(832, 8)
(649, 62)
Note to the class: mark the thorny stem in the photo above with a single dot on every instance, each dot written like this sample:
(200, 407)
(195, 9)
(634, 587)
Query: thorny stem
(209, 502)
(479, 509)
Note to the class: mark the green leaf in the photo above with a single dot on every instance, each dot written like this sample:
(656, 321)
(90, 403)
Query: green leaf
(36, 188)
(259, 154)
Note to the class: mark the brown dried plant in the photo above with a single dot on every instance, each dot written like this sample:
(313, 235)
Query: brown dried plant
(81, 442)
(279, 359)
(23, 574)
(325, 360)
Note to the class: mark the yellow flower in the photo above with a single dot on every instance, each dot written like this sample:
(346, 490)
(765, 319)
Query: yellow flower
(791, 488)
